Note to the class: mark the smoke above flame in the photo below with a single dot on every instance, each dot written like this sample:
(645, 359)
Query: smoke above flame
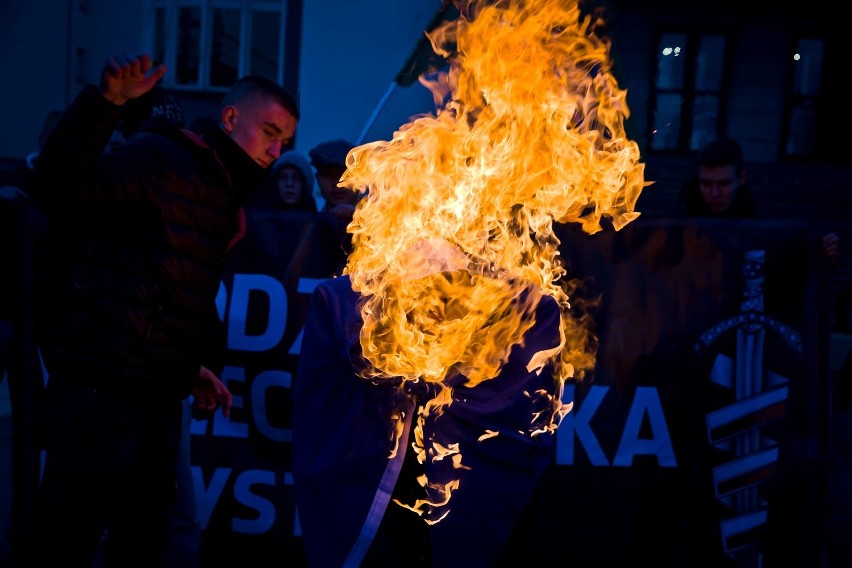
(457, 224)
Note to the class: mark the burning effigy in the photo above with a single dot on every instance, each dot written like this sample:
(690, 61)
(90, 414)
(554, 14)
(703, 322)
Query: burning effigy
(457, 223)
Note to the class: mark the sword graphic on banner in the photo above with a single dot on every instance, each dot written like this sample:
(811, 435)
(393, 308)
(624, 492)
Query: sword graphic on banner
(761, 398)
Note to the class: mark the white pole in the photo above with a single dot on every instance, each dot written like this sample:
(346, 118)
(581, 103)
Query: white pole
(391, 89)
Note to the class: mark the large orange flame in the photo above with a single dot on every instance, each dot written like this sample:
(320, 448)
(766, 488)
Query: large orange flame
(528, 132)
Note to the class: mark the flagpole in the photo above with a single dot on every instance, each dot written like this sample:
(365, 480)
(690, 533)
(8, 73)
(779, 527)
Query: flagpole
(410, 69)
(375, 115)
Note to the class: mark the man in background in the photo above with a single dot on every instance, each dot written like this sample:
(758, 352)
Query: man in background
(328, 241)
(719, 189)
(329, 161)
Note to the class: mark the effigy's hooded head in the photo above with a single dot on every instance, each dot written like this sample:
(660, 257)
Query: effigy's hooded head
(528, 132)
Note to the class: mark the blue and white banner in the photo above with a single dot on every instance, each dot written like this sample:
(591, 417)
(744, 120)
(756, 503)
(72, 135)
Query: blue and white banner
(693, 442)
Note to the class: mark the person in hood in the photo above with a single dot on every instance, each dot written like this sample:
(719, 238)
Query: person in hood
(139, 330)
(290, 186)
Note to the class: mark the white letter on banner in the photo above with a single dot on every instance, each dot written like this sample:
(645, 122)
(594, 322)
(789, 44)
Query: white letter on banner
(225, 425)
(198, 427)
(265, 509)
(577, 422)
(306, 286)
(646, 401)
(276, 323)
(207, 498)
(221, 300)
(264, 380)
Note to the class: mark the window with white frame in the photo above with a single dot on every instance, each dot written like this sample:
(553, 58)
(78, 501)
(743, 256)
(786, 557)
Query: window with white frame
(208, 44)
(687, 99)
(816, 100)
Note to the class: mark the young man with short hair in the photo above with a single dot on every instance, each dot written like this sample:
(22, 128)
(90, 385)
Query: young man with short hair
(720, 186)
(139, 330)
(719, 189)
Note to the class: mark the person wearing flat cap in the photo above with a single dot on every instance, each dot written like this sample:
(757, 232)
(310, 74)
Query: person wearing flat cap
(329, 160)
(329, 232)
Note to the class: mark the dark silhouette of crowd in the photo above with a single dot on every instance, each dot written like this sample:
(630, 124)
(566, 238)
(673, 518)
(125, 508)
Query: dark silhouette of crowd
(113, 239)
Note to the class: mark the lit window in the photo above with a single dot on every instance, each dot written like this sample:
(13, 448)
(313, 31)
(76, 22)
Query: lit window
(687, 90)
(807, 76)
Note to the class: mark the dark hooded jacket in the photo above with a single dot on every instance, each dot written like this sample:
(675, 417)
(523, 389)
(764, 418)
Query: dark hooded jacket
(345, 474)
(150, 222)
